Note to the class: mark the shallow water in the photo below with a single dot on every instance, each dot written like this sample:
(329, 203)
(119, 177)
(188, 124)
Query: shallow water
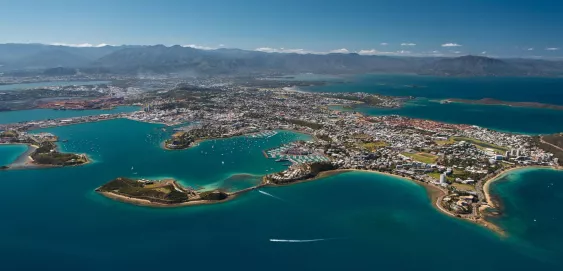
(431, 89)
(362, 221)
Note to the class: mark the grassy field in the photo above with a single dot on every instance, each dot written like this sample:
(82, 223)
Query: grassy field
(466, 187)
(422, 157)
(435, 175)
(445, 142)
(372, 146)
(481, 144)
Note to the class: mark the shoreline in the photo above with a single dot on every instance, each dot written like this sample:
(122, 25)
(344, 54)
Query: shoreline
(199, 141)
(24, 161)
(489, 101)
(486, 186)
(435, 195)
(148, 203)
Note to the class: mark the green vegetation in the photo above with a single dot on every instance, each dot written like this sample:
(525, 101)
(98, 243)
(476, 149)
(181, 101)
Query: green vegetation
(213, 195)
(319, 167)
(9, 134)
(47, 154)
(554, 144)
(325, 138)
(161, 192)
(312, 125)
(372, 146)
(481, 144)
(464, 187)
(445, 142)
(422, 157)
(435, 175)
(183, 140)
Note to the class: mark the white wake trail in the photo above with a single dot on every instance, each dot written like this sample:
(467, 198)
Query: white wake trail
(270, 195)
(298, 241)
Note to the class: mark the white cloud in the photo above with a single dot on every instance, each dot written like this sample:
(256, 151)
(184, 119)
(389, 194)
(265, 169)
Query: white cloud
(530, 49)
(408, 44)
(369, 52)
(552, 49)
(340, 51)
(435, 52)
(451, 45)
(484, 52)
(300, 51)
(78, 45)
(283, 50)
(372, 52)
(384, 44)
(221, 45)
(457, 52)
(200, 47)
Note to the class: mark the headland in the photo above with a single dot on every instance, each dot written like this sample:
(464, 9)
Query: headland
(490, 101)
(42, 151)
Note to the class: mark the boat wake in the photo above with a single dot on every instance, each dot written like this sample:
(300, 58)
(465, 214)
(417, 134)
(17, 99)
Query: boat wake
(270, 195)
(299, 241)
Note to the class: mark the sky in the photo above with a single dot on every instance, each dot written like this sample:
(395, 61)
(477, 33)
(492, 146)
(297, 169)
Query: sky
(498, 28)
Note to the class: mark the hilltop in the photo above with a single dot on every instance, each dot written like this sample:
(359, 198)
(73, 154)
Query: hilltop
(159, 59)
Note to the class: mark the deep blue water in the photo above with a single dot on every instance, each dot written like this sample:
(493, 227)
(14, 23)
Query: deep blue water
(532, 208)
(504, 118)
(43, 114)
(52, 219)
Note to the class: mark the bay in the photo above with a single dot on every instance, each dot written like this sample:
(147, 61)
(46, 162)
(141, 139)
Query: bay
(53, 219)
(9, 153)
(44, 114)
(430, 89)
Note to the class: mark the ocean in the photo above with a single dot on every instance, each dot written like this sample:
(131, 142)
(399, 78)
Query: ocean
(429, 90)
(53, 219)
(43, 114)
(9, 153)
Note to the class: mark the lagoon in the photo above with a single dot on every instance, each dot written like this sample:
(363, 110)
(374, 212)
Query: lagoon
(9, 153)
(359, 220)
(520, 120)
(430, 89)
(44, 114)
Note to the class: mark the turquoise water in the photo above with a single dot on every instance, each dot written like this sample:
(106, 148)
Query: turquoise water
(532, 208)
(504, 118)
(497, 117)
(54, 220)
(9, 153)
(50, 84)
(43, 114)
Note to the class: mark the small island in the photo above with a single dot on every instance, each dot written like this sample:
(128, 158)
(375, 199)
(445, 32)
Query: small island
(42, 151)
(158, 193)
(192, 135)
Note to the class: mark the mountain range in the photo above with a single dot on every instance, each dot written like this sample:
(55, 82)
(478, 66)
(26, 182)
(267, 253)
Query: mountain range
(26, 59)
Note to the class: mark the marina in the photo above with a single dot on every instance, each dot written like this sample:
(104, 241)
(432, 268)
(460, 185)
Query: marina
(263, 134)
(294, 154)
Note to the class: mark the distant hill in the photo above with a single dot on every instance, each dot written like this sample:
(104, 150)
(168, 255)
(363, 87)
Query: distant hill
(26, 59)
(233, 61)
(470, 66)
(41, 56)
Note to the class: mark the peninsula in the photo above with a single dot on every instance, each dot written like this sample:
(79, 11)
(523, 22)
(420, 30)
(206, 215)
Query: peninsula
(490, 101)
(42, 151)
(158, 193)
(453, 161)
